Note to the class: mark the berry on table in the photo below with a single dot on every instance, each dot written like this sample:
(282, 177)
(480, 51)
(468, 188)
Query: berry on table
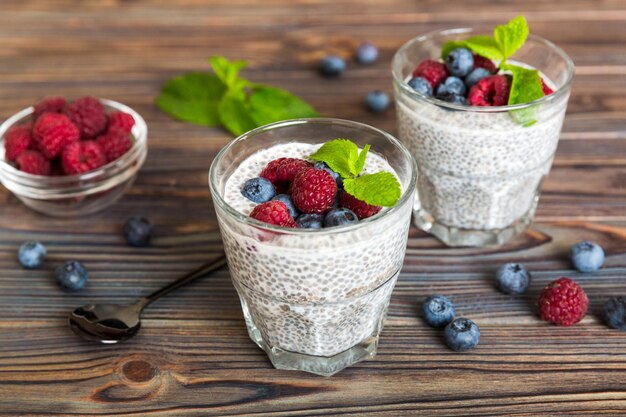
(83, 156)
(258, 189)
(476, 75)
(273, 212)
(452, 85)
(33, 162)
(137, 231)
(421, 85)
(438, 310)
(31, 254)
(512, 278)
(87, 113)
(340, 217)
(367, 53)
(452, 98)
(459, 62)
(332, 66)
(377, 101)
(486, 63)
(71, 276)
(615, 313)
(310, 221)
(114, 144)
(490, 91)
(432, 71)
(359, 207)
(313, 190)
(462, 334)
(49, 105)
(587, 256)
(286, 198)
(52, 132)
(563, 302)
(118, 120)
(336, 176)
(17, 140)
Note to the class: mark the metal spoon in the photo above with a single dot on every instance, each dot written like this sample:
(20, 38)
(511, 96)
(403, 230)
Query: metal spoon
(112, 323)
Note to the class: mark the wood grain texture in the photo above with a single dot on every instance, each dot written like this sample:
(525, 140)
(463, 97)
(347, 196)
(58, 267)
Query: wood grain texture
(193, 357)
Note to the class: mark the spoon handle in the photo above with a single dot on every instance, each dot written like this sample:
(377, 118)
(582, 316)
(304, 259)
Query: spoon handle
(214, 265)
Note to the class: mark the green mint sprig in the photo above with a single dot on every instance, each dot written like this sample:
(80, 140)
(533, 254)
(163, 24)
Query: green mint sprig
(223, 98)
(343, 157)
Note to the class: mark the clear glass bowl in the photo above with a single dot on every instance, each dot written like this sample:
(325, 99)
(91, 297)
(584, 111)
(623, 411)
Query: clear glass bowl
(75, 195)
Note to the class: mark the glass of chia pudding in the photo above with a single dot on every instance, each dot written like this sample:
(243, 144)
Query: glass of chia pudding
(314, 299)
(481, 166)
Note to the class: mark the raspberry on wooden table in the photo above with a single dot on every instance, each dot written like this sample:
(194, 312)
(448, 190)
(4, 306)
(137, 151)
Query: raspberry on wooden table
(83, 156)
(52, 132)
(33, 162)
(17, 140)
(313, 191)
(87, 113)
(563, 302)
(273, 212)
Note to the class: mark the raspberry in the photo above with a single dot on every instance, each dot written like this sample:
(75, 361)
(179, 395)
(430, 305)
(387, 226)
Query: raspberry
(121, 121)
(434, 72)
(359, 207)
(114, 143)
(79, 157)
(52, 132)
(313, 190)
(486, 63)
(546, 90)
(490, 91)
(563, 302)
(273, 212)
(33, 162)
(87, 113)
(51, 105)
(17, 140)
(282, 171)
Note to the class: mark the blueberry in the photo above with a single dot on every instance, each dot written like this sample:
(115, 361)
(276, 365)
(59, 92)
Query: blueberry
(336, 176)
(332, 66)
(615, 313)
(421, 85)
(71, 276)
(367, 53)
(476, 75)
(452, 98)
(460, 62)
(377, 101)
(285, 198)
(452, 85)
(587, 256)
(31, 254)
(138, 231)
(340, 217)
(462, 334)
(258, 189)
(438, 311)
(310, 221)
(512, 278)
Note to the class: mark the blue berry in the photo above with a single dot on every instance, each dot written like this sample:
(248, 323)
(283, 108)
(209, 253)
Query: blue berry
(332, 66)
(138, 231)
(460, 62)
(286, 198)
(421, 85)
(71, 276)
(476, 75)
(310, 221)
(258, 189)
(31, 254)
(377, 101)
(452, 98)
(587, 256)
(462, 334)
(367, 53)
(340, 217)
(438, 311)
(452, 85)
(512, 278)
(336, 176)
(615, 313)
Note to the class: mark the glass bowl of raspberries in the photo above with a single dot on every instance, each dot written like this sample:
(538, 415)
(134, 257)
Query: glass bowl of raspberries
(69, 158)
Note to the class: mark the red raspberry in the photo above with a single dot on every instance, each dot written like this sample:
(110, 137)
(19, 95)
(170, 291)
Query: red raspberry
(282, 171)
(52, 132)
(563, 302)
(433, 71)
(87, 113)
(17, 140)
(490, 91)
(486, 63)
(273, 212)
(313, 190)
(546, 90)
(114, 143)
(359, 207)
(51, 105)
(121, 121)
(33, 162)
(85, 156)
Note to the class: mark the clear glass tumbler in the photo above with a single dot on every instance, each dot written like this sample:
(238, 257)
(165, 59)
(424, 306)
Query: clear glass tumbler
(480, 168)
(315, 300)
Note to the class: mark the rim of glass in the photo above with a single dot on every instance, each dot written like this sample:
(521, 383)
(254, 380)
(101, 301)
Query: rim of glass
(217, 197)
(105, 172)
(564, 89)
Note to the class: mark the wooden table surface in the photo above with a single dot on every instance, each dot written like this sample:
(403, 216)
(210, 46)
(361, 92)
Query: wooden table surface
(193, 357)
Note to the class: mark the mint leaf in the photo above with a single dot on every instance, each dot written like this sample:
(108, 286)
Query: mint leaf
(525, 87)
(227, 71)
(485, 46)
(379, 189)
(192, 97)
(360, 163)
(451, 46)
(511, 37)
(270, 104)
(234, 114)
(341, 155)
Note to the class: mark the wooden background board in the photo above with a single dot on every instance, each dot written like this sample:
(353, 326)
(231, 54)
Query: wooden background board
(193, 356)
